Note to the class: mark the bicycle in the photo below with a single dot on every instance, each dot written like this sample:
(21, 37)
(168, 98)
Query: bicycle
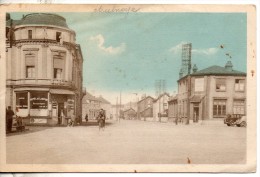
(101, 124)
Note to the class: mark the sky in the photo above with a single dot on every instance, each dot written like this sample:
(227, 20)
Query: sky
(127, 53)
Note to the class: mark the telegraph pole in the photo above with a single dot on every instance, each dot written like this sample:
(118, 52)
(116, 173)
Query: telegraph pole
(120, 107)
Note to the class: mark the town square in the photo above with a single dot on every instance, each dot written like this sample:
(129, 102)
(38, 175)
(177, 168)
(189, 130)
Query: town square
(126, 88)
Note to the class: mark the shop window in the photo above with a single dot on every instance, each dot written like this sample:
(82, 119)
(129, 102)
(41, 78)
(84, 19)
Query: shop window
(58, 36)
(219, 108)
(239, 107)
(57, 73)
(22, 100)
(220, 85)
(29, 34)
(239, 85)
(39, 100)
(30, 71)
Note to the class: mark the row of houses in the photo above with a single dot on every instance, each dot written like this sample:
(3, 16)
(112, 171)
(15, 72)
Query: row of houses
(207, 94)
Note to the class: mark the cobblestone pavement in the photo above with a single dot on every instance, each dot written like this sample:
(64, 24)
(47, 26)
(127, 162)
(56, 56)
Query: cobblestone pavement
(129, 142)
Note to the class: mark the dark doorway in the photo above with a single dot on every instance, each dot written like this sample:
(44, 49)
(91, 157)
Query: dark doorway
(195, 114)
(60, 109)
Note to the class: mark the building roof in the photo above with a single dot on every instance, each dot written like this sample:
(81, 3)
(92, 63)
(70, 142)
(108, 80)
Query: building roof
(161, 96)
(40, 19)
(145, 99)
(88, 96)
(103, 100)
(218, 70)
(175, 98)
(129, 110)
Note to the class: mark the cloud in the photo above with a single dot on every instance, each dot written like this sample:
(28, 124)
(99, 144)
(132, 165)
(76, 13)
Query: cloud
(206, 51)
(177, 49)
(111, 50)
(209, 51)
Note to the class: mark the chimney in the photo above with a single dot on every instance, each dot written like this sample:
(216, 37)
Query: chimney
(8, 17)
(229, 66)
(195, 68)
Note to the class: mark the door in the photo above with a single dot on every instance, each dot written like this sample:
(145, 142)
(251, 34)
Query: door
(195, 114)
(60, 108)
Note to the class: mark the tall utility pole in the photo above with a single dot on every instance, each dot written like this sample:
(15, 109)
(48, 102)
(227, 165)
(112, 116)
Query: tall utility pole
(160, 88)
(117, 108)
(120, 108)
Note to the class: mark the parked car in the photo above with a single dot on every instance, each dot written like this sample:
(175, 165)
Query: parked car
(235, 120)
(241, 122)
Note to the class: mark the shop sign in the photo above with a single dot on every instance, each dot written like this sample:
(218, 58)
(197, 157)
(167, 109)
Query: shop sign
(39, 121)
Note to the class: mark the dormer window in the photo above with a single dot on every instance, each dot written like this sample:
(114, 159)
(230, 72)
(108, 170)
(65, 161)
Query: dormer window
(29, 34)
(58, 36)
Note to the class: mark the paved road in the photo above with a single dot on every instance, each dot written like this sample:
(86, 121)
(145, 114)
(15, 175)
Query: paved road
(129, 142)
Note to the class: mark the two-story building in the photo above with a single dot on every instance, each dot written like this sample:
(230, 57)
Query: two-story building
(91, 106)
(210, 94)
(145, 108)
(44, 68)
(160, 107)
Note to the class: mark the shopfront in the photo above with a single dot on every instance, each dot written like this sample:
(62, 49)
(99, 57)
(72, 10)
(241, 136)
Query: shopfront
(44, 106)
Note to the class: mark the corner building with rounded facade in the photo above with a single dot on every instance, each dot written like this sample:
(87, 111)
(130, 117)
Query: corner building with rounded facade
(44, 68)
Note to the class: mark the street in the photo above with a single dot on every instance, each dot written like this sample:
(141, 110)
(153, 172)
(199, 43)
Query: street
(129, 142)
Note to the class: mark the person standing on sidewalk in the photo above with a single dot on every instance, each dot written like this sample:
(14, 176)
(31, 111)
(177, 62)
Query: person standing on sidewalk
(9, 119)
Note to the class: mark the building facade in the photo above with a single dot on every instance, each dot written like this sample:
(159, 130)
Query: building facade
(145, 108)
(160, 107)
(91, 106)
(210, 94)
(130, 114)
(44, 68)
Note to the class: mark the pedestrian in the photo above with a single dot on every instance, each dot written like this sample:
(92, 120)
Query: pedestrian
(9, 119)
(86, 117)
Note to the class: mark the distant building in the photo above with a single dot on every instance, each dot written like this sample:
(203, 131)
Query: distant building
(130, 105)
(130, 114)
(44, 68)
(145, 108)
(173, 108)
(210, 94)
(160, 107)
(91, 105)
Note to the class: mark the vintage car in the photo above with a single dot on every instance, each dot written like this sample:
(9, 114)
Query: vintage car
(235, 120)
(241, 122)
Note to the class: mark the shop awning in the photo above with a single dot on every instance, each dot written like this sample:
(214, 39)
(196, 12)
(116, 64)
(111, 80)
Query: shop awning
(61, 92)
(30, 89)
(196, 98)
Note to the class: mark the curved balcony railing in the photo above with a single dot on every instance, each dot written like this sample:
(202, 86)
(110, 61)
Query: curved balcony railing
(41, 41)
(47, 82)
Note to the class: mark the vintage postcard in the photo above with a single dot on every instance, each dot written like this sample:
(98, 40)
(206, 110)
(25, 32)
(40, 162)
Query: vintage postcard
(128, 88)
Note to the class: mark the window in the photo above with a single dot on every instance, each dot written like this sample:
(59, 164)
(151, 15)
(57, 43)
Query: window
(199, 84)
(39, 100)
(58, 65)
(29, 34)
(58, 36)
(239, 85)
(30, 72)
(219, 108)
(57, 73)
(22, 100)
(30, 65)
(220, 85)
(239, 107)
